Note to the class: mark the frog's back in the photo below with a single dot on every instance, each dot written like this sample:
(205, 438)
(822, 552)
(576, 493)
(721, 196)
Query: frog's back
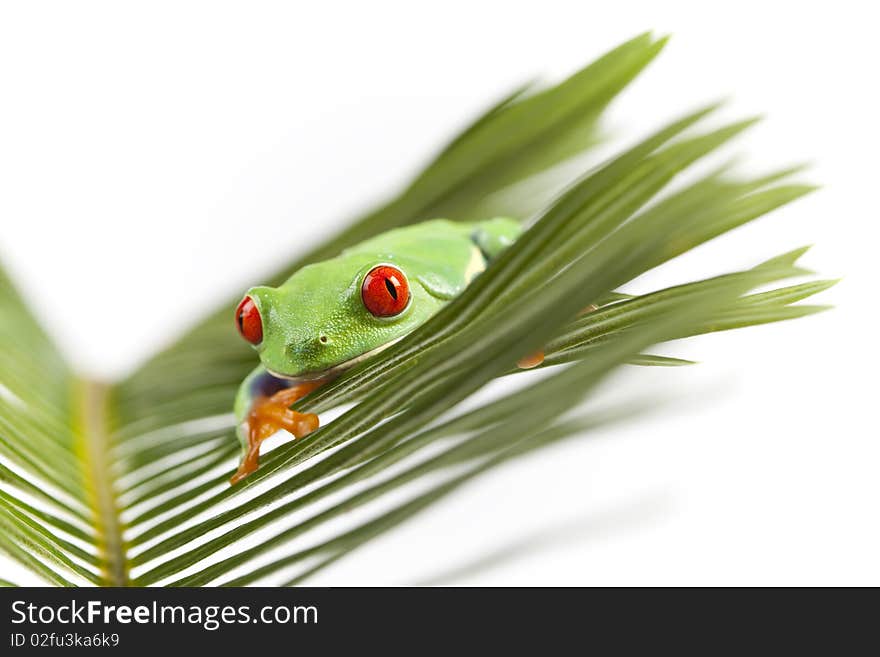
(491, 237)
(494, 235)
(445, 255)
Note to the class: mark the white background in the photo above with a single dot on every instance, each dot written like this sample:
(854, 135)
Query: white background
(156, 156)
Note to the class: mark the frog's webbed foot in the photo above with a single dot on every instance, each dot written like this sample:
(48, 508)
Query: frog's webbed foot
(536, 358)
(264, 409)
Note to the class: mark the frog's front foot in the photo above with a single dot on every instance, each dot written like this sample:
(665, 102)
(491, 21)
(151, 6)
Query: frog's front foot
(269, 411)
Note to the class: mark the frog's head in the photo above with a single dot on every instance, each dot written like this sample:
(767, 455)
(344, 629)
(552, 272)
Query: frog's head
(332, 314)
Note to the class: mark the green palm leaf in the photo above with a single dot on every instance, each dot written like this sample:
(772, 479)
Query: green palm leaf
(127, 483)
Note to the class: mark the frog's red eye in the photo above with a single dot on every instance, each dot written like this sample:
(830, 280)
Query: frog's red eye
(247, 319)
(385, 291)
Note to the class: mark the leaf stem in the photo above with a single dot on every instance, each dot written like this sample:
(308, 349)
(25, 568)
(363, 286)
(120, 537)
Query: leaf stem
(94, 441)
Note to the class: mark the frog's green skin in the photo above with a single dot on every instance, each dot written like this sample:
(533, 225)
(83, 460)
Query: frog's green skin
(315, 323)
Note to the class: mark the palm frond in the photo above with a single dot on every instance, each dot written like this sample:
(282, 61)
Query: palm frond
(127, 483)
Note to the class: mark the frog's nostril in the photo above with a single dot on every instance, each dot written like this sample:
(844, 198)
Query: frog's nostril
(248, 321)
(324, 339)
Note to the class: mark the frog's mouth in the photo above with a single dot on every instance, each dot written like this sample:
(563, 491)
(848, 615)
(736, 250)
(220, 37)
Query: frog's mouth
(331, 372)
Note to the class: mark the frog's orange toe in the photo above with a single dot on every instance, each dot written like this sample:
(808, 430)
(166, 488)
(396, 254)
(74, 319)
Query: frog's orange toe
(267, 416)
(530, 361)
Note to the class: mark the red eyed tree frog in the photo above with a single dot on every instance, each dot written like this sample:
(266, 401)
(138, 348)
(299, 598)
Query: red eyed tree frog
(331, 315)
